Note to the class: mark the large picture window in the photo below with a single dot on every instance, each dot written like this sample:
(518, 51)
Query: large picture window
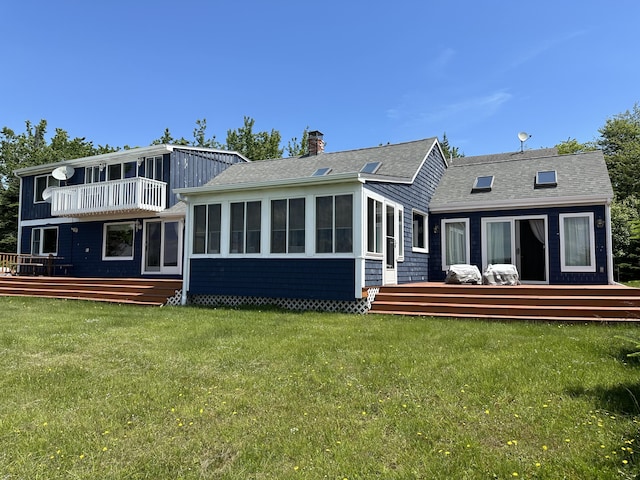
(455, 242)
(577, 244)
(287, 226)
(44, 241)
(118, 241)
(334, 224)
(245, 223)
(207, 228)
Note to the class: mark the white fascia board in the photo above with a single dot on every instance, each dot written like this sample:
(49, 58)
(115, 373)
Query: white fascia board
(308, 181)
(525, 203)
(130, 155)
(106, 158)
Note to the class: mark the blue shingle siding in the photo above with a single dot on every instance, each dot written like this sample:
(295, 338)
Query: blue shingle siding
(556, 276)
(190, 168)
(372, 273)
(417, 195)
(323, 279)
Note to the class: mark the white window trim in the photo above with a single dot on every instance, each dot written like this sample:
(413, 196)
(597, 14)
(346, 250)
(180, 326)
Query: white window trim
(371, 254)
(104, 242)
(443, 243)
(40, 252)
(424, 249)
(400, 232)
(592, 244)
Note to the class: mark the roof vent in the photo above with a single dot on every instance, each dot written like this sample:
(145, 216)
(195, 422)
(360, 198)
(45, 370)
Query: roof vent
(316, 142)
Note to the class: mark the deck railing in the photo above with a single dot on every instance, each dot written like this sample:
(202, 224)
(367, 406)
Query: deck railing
(130, 194)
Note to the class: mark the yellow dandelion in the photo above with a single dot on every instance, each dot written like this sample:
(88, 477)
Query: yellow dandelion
(514, 474)
(538, 464)
(545, 448)
(104, 449)
(625, 461)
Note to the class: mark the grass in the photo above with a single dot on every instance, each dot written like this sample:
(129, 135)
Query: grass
(104, 391)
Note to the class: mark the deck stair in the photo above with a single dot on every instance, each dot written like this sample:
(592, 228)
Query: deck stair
(116, 290)
(576, 303)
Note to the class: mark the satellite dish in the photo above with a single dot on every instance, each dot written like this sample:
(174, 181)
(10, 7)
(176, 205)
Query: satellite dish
(63, 173)
(523, 137)
(47, 193)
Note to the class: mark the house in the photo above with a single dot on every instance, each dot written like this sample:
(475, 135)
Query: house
(312, 231)
(112, 215)
(548, 214)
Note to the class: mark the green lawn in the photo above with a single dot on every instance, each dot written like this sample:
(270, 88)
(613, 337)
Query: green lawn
(104, 391)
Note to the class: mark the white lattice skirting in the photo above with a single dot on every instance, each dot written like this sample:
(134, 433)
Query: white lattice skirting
(356, 306)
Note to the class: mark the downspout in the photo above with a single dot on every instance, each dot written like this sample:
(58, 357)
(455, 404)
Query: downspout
(186, 270)
(607, 216)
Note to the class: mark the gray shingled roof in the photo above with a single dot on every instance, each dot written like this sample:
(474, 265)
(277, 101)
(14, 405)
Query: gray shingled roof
(399, 162)
(579, 176)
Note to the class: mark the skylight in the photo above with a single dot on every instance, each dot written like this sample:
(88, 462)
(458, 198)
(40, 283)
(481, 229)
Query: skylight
(547, 178)
(483, 184)
(321, 172)
(371, 167)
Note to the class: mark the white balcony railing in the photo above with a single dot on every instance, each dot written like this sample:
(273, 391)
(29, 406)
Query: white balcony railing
(130, 194)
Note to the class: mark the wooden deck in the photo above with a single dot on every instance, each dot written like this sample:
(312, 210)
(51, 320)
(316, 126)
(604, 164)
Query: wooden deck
(566, 303)
(116, 290)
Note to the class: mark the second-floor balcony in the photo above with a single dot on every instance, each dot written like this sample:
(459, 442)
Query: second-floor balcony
(127, 195)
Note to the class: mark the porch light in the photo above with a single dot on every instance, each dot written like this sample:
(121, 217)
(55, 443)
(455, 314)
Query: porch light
(600, 223)
(138, 226)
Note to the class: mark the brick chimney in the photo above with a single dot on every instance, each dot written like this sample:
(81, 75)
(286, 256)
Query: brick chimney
(316, 143)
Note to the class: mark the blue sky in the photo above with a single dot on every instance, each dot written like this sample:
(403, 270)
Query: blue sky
(364, 73)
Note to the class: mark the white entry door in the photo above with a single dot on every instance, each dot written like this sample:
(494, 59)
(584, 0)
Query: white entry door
(163, 247)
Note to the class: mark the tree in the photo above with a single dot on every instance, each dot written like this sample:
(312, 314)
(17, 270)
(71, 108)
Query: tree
(571, 145)
(167, 139)
(620, 143)
(448, 150)
(295, 149)
(25, 150)
(200, 136)
(254, 146)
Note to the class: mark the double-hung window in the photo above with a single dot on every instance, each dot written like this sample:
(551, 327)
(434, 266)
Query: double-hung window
(44, 241)
(577, 244)
(287, 225)
(420, 231)
(334, 224)
(245, 223)
(207, 228)
(43, 182)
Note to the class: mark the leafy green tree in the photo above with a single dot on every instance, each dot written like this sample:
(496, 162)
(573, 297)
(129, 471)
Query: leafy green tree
(620, 143)
(571, 145)
(254, 146)
(25, 150)
(448, 150)
(625, 231)
(295, 149)
(200, 136)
